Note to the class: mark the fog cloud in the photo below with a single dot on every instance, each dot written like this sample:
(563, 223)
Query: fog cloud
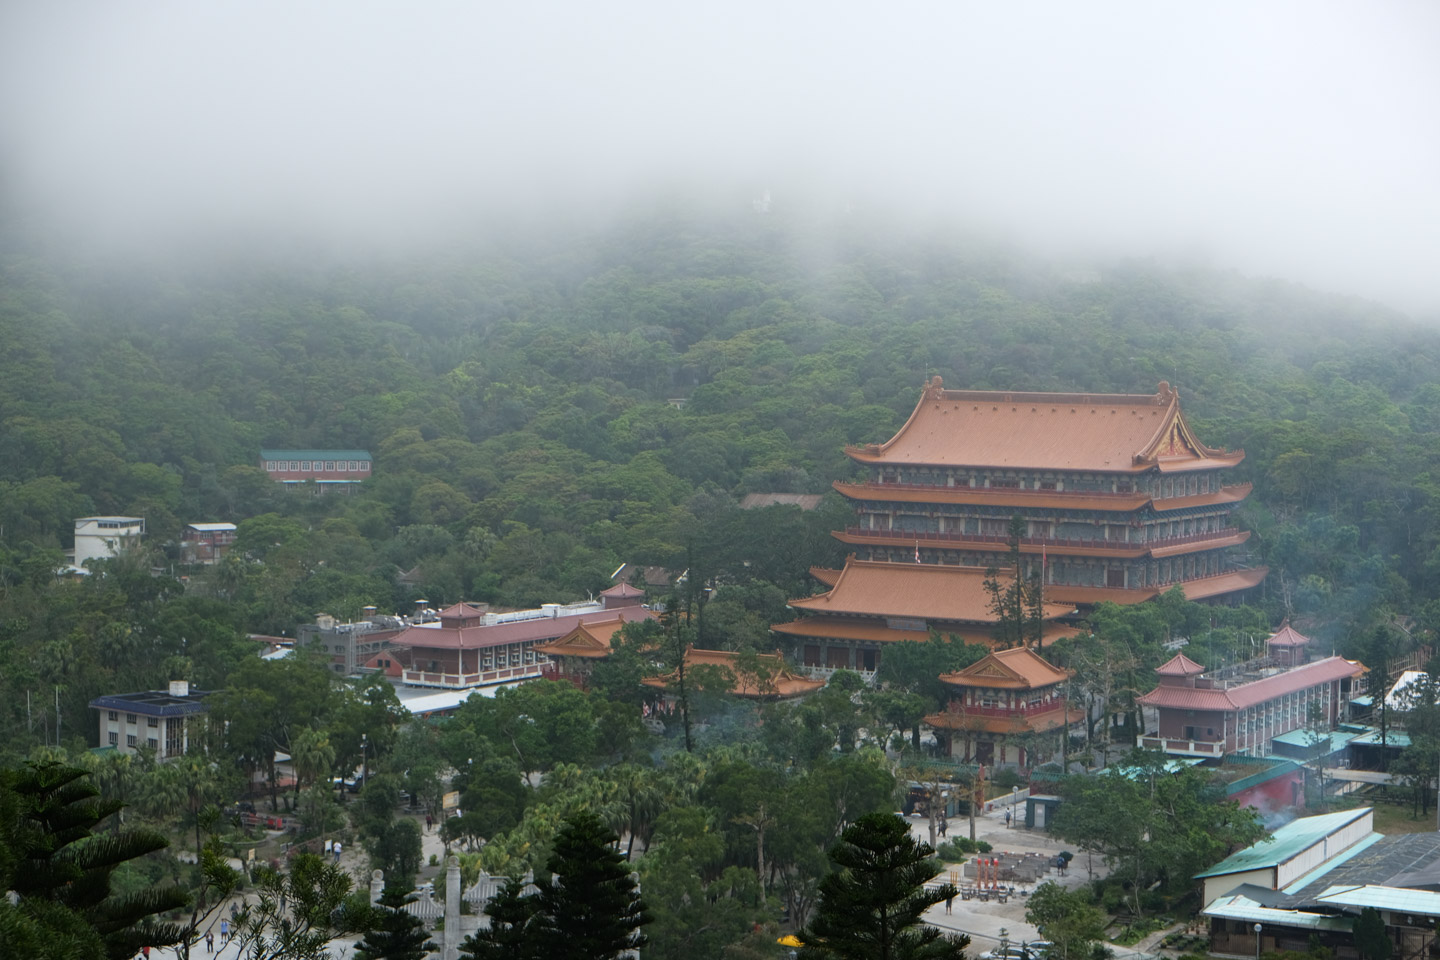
(1299, 139)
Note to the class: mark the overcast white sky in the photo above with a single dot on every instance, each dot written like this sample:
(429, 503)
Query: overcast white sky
(1297, 139)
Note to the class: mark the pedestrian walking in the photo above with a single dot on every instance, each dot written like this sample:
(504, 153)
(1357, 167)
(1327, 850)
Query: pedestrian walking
(429, 823)
(145, 952)
(224, 932)
(336, 848)
(949, 901)
(1007, 819)
(943, 824)
(210, 941)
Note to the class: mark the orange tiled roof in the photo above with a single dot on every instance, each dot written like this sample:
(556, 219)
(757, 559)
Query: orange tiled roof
(872, 631)
(590, 640)
(540, 629)
(1018, 668)
(622, 589)
(781, 684)
(922, 591)
(1027, 723)
(991, 496)
(848, 628)
(1200, 588)
(1287, 636)
(1200, 543)
(1122, 433)
(1179, 666)
(1232, 582)
(826, 575)
(1115, 549)
(1231, 494)
(1260, 691)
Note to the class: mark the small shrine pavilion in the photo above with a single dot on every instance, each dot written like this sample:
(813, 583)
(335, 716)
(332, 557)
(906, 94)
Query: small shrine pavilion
(999, 702)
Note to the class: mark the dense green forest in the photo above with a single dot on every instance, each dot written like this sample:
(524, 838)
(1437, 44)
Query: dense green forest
(517, 396)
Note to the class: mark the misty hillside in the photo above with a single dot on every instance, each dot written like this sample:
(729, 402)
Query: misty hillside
(518, 398)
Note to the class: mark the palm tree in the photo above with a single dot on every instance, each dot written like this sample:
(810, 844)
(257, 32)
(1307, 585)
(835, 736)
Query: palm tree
(314, 758)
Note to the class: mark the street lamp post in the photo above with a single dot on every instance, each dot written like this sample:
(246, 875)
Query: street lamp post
(1257, 941)
(1014, 801)
(364, 767)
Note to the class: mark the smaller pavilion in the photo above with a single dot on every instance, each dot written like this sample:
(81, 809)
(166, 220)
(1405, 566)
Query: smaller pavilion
(576, 653)
(773, 680)
(1008, 696)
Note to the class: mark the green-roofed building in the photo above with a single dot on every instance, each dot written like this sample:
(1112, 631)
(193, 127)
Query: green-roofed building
(1290, 852)
(1309, 884)
(322, 470)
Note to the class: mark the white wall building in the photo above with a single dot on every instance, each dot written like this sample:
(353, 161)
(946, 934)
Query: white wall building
(100, 538)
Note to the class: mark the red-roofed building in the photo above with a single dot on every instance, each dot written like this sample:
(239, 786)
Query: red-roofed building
(575, 654)
(470, 647)
(873, 603)
(1120, 500)
(1008, 695)
(771, 680)
(622, 595)
(1241, 709)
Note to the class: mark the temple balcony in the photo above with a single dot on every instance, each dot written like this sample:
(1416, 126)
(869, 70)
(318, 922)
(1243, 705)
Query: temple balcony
(1060, 546)
(1018, 710)
(1180, 747)
(461, 681)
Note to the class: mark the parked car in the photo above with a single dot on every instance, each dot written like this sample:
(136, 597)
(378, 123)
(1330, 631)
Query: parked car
(1009, 953)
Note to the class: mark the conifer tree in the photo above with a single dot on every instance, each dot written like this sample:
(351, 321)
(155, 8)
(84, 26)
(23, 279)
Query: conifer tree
(871, 906)
(510, 935)
(396, 934)
(60, 869)
(590, 909)
(1016, 603)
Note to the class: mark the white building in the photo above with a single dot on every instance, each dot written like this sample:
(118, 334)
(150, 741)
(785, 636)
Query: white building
(100, 538)
(165, 721)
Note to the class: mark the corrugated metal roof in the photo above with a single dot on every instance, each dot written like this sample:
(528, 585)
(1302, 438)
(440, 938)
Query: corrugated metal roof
(1399, 899)
(1241, 908)
(1295, 837)
(1306, 739)
(1334, 863)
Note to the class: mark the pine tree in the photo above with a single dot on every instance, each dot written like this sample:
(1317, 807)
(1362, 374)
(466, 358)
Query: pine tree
(510, 935)
(1016, 603)
(590, 909)
(871, 907)
(60, 869)
(396, 934)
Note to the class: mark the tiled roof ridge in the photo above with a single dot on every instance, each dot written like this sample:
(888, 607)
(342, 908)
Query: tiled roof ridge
(1164, 395)
(1179, 666)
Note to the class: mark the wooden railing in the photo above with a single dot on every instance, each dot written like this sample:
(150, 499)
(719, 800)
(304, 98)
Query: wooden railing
(1019, 710)
(1001, 540)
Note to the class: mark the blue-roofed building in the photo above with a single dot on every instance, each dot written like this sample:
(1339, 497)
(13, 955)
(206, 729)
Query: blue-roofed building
(165, 721)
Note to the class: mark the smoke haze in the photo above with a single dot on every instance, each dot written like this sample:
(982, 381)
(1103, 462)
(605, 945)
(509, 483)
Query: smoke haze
(1295, 139)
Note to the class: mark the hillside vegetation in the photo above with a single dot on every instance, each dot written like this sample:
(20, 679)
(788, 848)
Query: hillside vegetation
(516, 396)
